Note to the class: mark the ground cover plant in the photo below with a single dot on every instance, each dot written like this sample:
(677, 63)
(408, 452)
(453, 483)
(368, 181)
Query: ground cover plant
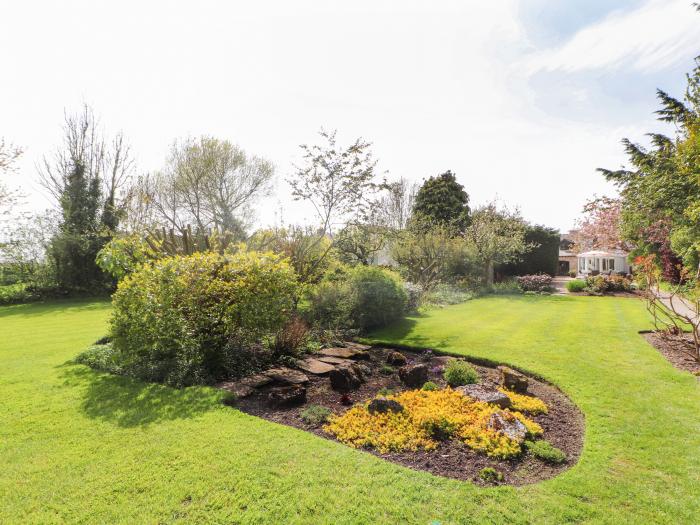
(82, 446)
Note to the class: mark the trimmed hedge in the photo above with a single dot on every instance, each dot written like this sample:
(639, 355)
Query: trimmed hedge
(544, 258)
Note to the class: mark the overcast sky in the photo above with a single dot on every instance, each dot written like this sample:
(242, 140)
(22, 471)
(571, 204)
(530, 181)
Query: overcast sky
(521, 99)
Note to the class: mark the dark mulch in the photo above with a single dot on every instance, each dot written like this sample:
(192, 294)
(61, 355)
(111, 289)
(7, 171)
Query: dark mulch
(676, 349)
(563, 425)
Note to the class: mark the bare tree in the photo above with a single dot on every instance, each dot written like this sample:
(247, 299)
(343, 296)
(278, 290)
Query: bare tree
(208, 183)
(108, 161)
(338, 182)
(396, 204)
(8, 156)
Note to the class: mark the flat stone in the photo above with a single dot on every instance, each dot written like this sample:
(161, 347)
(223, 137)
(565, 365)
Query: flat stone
(513, 380)
(334, 360)
(256, 381)
(344, 353)
(237, 389)
(287, 376)
(508, 425)
(382, 405)
(485, 394)
(357, 346)
(442, 360)
(287, 396)
(315, 367)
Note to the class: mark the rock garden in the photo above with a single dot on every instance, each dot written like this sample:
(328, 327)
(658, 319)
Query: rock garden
(444, 415)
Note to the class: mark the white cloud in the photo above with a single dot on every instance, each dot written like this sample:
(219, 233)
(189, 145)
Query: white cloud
(659, 34)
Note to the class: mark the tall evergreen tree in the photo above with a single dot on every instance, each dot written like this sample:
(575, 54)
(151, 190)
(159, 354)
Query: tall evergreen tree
(442, 200)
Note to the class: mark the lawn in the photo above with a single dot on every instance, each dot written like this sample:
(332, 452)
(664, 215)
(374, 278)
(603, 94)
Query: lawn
(79, 446)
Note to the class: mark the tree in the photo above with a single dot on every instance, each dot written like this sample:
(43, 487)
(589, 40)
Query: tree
(207, 183)
(442, 200)
(360, 243)
(495, 236)
(396, 204)
(8, 157)
(87, 176)
(660, 193)
(337, 181)
(600, 226)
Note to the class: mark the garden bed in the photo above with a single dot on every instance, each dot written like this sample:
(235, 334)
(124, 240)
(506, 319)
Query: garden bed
(563, 424)
(675, 350)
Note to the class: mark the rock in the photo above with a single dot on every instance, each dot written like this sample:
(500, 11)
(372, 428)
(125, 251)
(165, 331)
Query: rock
(345, 353)
(357, 346)
(396, 359)
(287, 376)
(485, 394)
(362, 369)
(335, 360)
(382, 405)
(508, 425)
(513, 380)
(282, 396)
(413, 376)
(256, 381)
(345, 378)
(246, 386)
(314, 366)
(441, 360)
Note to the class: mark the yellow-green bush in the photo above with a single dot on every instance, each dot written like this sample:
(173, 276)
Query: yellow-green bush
(522, 403)
(193, 319)
(428, 416)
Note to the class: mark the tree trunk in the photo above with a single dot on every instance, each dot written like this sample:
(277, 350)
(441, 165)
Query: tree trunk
(489, 273)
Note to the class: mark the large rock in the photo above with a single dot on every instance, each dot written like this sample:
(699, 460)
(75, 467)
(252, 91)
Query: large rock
(345, 378)
(315, 366)
(513, 380)
(414, 376)
(335, 360)
(485, 394)
(246, 386)
(344, 353)
(283, 396)
(357, 346)
(508, 425)
(396, 359)
(287, 376)
(382, 405)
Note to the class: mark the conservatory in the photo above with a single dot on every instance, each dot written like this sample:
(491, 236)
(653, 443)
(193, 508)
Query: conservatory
(603, 262)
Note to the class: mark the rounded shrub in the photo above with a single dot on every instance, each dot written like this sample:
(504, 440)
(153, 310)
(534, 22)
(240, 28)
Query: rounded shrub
(362, 297)
(577, 285)
(194, 319)
(459, 373)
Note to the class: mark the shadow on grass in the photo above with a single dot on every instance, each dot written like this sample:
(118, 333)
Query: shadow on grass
(128, 402)
(54, 306)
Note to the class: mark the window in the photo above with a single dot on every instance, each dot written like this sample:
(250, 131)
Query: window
(611, 264)
(605, 265)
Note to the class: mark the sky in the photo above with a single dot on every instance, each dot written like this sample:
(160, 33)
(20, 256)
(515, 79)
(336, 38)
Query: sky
(523, 100)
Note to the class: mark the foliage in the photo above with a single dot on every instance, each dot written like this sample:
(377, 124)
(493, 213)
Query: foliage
(431, 255)
(576, 285)
(545, 451)
(509, 286)
(660, 194)
(495, 236)
(522, 403)
(16, 293)
(386, 370)
(309, 251)
(542, 257)
(535, 283)
(600, 226)
(194, 319)
(490, 475)
(124, 254)
(396, 204)
(441, 200)
(414, 295)
(430, 386)
(364, 297)
(207, 183)
(101, 357)
(458, 373)
(428, 415)
(315, 415)
(446, 294)
(602, 284)
(359, 243)
(292, 337)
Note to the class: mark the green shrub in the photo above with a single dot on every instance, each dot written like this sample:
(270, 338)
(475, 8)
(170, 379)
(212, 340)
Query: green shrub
(315, 415)
(490, 475)
(384, 391)
(386, 370)
(577, 285)
(458, 373)
(196, 319)
(100, 357)
(430, 386)
(506, 288)
(447, 294)
(545, 451)
(362, 297)
(16, 293)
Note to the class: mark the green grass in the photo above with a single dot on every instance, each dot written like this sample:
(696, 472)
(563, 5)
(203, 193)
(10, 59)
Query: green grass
(79, 446)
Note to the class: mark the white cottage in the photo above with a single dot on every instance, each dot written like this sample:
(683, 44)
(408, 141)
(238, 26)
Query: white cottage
(602, 262)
